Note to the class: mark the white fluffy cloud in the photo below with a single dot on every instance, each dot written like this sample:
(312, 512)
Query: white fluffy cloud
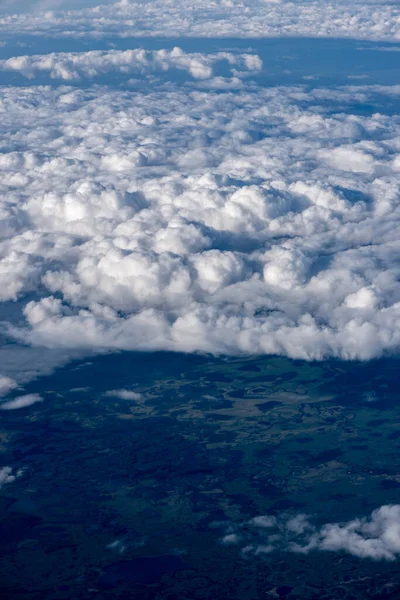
(73, 66)
(376, 537)
(369, 19)
(261, 220)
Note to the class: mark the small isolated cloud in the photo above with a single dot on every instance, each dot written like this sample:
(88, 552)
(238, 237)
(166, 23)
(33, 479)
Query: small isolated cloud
(124, 394)
(117, 546)
(7, 384)
(7, 476)
(376, 537)
(21, 402)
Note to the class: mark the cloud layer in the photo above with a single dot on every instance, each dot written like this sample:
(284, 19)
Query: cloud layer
(376, 537)
(215, 216)
(74, 66)
(368, 19)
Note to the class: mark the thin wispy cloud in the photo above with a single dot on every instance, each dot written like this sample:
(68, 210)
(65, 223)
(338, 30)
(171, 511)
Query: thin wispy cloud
(21, 402)
(123, 394)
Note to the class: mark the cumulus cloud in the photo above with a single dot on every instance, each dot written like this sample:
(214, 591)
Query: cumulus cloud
(368, 19)
(376, 537)
(262, 220)
(70, 66)
(21, 402)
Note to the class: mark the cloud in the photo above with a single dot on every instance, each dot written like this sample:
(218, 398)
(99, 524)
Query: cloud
(23, 363)
(33, 6)
(124, 394)
(21, 402)
(258, 221)
(7, 384)
(6, 476)
(367, 19)
(117, 546)
(70, 66)
(173, 216)
(376, 537)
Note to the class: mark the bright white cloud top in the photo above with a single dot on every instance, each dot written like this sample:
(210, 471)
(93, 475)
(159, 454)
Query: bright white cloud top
(73, 66)
(368, 19)
(251, 220)
(191, 207)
